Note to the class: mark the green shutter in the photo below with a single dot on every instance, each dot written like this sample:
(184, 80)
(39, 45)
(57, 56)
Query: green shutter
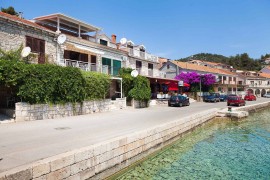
(116, 67)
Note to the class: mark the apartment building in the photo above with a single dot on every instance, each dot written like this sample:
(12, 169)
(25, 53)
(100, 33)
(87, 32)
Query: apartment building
(257, 83)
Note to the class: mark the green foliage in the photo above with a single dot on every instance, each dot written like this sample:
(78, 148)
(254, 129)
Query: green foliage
(141, 90)
(49, 83)
(10, 10)
(96, 85)
(11, 55)
(240, 61)
(127, 80)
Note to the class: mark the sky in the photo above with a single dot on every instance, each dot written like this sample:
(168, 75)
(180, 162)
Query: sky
(170, 28)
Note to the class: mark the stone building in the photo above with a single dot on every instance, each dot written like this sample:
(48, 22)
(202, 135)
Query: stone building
(15, 31)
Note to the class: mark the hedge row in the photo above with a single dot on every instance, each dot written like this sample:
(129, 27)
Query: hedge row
(49, 83)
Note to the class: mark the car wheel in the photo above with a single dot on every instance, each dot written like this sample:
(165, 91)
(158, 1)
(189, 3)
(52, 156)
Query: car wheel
(180, 104)
(215, 101)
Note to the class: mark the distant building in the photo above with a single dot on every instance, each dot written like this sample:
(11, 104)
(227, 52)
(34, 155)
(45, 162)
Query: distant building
(227, 81)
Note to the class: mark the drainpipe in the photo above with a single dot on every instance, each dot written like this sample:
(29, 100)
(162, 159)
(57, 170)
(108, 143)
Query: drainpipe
(58, 26)
(79, 33)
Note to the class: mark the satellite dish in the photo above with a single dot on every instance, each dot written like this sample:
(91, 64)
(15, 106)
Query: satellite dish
(134, 73)
(61, 39)
(123, 41)
(25, 51)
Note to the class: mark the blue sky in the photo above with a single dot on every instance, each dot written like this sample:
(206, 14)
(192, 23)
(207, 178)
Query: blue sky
(170, 28)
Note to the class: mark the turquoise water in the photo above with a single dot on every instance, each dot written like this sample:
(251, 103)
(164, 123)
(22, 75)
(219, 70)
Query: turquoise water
(221, 149)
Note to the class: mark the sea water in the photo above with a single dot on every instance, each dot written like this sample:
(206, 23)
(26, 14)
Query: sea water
(220, 149)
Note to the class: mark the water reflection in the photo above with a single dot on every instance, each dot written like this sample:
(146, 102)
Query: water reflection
(218, 150)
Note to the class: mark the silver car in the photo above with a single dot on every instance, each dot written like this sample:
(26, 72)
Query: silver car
(267, 95)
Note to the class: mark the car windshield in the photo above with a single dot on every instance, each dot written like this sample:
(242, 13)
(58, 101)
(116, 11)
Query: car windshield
(232, 97)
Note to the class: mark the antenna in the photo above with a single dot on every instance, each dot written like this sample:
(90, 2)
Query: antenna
(61, 39)
(134, 73)
(123, 41)
(25, 51)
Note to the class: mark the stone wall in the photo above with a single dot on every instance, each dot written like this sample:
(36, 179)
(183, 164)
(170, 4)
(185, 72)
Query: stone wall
(13, 35)
(27, 112)
(104, 159)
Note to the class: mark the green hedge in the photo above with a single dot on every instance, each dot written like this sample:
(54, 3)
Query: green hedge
(49, 83)
(96, 85)
(141, 90)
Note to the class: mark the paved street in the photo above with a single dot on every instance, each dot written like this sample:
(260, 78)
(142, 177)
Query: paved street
(25, 142)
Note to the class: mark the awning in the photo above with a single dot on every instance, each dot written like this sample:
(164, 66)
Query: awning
(186, 85)
(173, 86)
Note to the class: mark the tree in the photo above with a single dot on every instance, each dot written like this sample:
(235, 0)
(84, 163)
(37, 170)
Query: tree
(10, 10)
(194, 79)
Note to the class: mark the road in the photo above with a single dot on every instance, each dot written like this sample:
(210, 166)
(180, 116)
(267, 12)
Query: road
(25, 142)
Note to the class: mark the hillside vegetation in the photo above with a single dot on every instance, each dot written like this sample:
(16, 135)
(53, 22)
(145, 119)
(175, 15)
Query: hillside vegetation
(240, 61)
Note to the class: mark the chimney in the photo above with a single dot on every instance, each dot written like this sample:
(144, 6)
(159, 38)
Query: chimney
(20, 15)
(114, 38)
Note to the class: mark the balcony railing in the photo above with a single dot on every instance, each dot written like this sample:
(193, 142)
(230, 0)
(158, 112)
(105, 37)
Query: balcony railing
(80, 64)
(142, 55)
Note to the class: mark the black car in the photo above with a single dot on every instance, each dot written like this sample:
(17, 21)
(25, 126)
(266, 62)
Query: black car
(178, 100)
(213, 97)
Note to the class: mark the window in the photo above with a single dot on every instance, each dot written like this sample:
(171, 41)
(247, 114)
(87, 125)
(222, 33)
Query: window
(230, 78)
(36, 45)
(234, 79)
(224, 78)
(240, 82)
(168, 66)
(138, 64)
(103, 42)
(150, 66)
(260, 82)
(252, 82)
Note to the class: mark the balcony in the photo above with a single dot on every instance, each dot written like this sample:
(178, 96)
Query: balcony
(142, 55)
(80, 64)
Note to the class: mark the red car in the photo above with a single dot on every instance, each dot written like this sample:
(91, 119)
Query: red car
(250, 97)
(236, 100)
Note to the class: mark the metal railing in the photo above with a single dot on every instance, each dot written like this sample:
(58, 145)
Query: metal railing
(143, 55)
(80, 64)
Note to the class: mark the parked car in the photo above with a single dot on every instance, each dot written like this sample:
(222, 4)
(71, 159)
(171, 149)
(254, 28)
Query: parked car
(250, 97)
(236, 100)
(212, 97)
(223, 97)
(178, 100)
(267, 95)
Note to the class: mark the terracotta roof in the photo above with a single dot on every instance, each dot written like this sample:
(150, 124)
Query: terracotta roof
(266, 75)
(22, 21)
(202, 68)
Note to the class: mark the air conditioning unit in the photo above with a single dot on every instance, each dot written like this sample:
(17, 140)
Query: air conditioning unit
(124, 58)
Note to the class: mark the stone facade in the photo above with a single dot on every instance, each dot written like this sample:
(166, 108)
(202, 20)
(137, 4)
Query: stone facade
(27, 112)
(13, 35)
(104, 159)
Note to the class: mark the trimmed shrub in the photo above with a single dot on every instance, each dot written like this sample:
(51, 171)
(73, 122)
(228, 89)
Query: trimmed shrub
(141, 90)
(51, 84)
(96, 85)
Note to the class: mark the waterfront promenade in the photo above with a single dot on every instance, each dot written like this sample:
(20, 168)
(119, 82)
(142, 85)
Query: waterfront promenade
(26, 142)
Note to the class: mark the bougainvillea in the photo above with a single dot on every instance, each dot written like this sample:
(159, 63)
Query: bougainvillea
(208, 79)
(194, 79)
